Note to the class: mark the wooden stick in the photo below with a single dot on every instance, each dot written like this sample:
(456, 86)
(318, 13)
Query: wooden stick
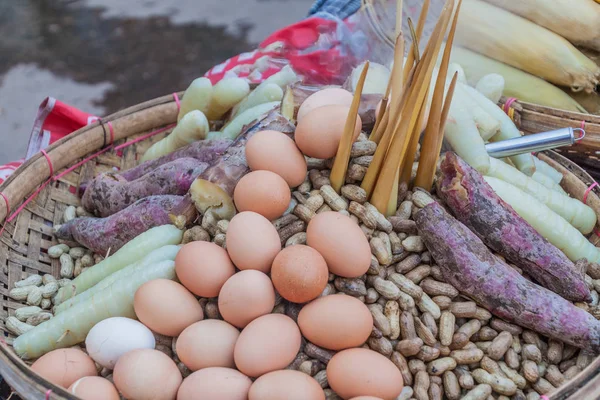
(415, 40)
(398, 17)
(340, 165)
(399, 144)
(432, 140)
(410, 59)
(406, 168)
(382, 115)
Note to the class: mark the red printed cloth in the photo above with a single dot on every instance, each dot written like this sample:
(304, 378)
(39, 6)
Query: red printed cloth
(308, 46)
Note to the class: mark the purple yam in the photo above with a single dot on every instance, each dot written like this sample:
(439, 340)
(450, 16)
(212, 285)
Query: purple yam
(108, 194)
(468, 265)
(111, 233)
(474, 203)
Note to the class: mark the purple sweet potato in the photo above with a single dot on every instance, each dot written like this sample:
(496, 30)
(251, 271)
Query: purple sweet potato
(102, 234)
(108, 193)
(468, 265)
(476, 205)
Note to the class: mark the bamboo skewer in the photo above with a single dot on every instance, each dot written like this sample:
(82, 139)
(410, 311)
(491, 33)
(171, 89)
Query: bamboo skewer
(399, 143)
(410, 59)
(406, 168)
(399, 7)
(432, 140)
(340, 165)
(415, 39)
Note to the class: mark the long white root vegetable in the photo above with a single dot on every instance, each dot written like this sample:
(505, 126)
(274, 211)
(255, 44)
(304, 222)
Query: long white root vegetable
(234, 127)
(578, 21)
(548, 182)
(72, 326)
(491, 86)
(463, 136)
(506, 37)
(164, 253)
(549, 224)
(133, 251)
(192, 127)
(487, 125)
(517, 83)
(508, 130)
(196, 97)
(579, 215)
(226, 94)
(264, 93)
(547, 170)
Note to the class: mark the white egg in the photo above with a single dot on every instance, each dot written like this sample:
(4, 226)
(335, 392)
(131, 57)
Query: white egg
(111, 338)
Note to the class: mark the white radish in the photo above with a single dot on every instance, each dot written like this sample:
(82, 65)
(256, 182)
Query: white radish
(572, 210)
(508, 130)
(547, 170)
(486, 124)
(491, 86)
(196, 97)
(164, 253)
(548, 224)
(226, 93)
(192, 127)
(72, 326)
(134, 250)
(548, 182)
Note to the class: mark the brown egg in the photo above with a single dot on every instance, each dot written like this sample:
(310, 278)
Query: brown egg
(276, 152)
(286, 384)
(299, 273)
(94, 388)
(246, 296)
(325, 97)
(215, 383)
(252, 241)
(366, 398)
(166, 307)
(203, 267)
(207, 343)
(363, 372)
(64, 366)
(341, 242)
(318, 134)
(263, 192)
(268, 343)
(336, 322)
(147, 374)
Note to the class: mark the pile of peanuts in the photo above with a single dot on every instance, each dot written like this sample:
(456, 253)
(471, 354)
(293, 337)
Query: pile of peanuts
(444, 345)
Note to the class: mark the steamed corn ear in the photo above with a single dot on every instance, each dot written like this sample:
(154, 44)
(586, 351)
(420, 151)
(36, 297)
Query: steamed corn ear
(517, 83)
(548, 182)
(506, 37)
(508, 130)
(572, 210)
(578, 21)
(491, 86)
(549, 224)
(72, 326)
(547, 170)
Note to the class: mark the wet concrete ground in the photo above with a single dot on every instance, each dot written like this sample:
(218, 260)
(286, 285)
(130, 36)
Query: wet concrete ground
(104, 55)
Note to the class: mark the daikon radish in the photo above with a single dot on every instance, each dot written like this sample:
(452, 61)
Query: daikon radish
(508, 130)
(72, 326)
(234, 127)
(517, 83)
(491, 86)
(164, 253)
(196, 97)
(572, 210)
(457, 68)
(463, 136)
(133, 251)
(547, 170)
(226, 94)
(549, 224)
(506, 37)
(548, 182)
(578, 21)
(192, 127)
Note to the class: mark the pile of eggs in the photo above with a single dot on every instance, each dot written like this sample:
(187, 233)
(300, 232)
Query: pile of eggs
(244, 356)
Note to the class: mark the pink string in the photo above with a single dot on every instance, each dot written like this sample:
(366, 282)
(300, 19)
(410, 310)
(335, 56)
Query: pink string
(508, 103)
(588, 190)
(49, 161)
(583, 125)
(70, 169)
(48, 394)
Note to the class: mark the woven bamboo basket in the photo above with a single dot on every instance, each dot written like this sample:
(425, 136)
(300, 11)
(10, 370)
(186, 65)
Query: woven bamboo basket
(28, 235)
